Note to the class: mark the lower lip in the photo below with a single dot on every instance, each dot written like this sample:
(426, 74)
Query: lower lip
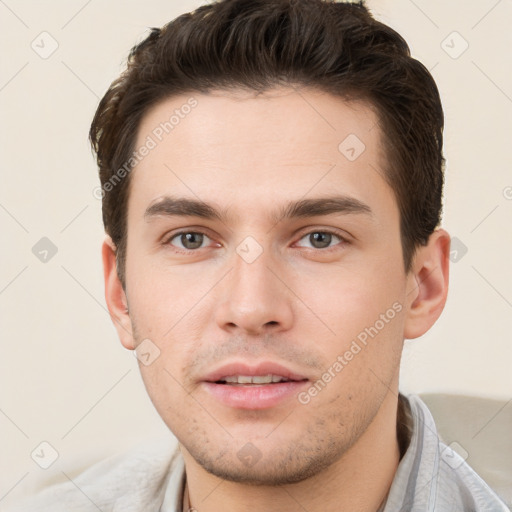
(254, 397)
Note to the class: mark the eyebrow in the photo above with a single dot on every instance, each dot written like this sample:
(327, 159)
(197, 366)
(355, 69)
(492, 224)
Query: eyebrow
(303, 208)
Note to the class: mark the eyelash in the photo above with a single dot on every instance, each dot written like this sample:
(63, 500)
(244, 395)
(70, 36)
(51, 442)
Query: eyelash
(343, 240)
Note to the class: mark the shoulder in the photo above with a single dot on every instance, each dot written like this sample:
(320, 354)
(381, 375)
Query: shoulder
(133, 481)
(433, 476)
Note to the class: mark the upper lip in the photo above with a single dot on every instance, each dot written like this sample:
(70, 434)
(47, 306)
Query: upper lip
(251, 370)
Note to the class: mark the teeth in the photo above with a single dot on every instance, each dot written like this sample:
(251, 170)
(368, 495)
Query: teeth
(267, 379)
(257, 379)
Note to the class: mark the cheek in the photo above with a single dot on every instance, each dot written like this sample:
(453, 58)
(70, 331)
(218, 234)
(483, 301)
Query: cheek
(349, 300)
(163, 298)
(364, 310)
(166, 391)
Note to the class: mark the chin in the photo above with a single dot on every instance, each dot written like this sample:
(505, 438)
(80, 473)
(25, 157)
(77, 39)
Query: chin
(270, 469)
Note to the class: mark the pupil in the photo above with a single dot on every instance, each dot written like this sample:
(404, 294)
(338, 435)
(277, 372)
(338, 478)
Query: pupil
(320, 240)
(192, 240)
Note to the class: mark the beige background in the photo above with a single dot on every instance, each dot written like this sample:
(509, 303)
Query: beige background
(65, 379)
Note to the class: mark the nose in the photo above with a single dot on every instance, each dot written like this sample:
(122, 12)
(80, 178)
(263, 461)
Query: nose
(254, 298)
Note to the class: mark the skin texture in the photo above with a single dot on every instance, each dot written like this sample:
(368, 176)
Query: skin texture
(296, 304)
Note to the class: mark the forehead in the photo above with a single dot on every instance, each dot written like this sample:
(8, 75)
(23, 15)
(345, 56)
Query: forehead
(258, 147)
(276, 118)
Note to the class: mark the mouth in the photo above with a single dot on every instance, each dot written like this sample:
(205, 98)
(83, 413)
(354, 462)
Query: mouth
(255, 380)
(263, 386)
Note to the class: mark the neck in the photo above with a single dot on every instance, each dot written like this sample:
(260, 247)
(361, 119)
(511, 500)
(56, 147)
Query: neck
(359, 480)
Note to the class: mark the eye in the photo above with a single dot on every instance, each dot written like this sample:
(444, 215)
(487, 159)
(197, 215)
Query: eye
(188, 240)
(320, 239)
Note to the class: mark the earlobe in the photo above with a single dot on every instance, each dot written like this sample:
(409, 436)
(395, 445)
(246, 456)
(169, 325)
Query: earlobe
(428, 284)
(115, 295)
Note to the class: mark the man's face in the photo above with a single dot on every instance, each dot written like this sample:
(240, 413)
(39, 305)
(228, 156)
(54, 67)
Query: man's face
(262, 288)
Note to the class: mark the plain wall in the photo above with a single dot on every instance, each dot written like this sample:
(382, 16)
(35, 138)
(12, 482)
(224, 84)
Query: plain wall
(65, 379)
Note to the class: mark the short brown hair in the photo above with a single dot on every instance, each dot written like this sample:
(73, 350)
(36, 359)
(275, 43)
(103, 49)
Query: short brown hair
(338, 48)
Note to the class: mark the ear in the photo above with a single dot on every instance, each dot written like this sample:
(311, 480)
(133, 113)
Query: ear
(115, 295)
(427, 286)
